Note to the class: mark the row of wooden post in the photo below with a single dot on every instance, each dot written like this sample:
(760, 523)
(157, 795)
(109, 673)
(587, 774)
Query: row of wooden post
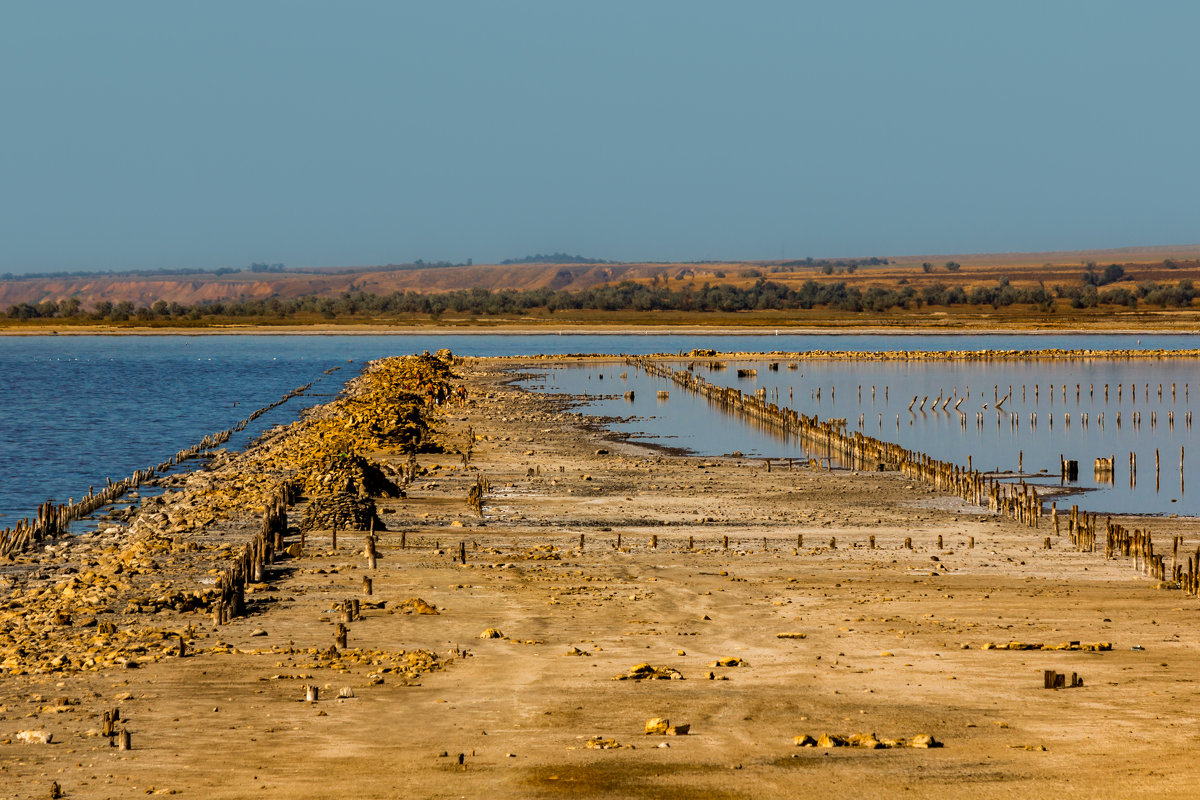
(857, 450)
(1018, 501)
(52, 519)
(251, 564)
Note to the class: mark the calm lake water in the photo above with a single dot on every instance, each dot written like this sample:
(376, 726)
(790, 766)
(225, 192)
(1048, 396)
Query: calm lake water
(78, 409)
(1035, 426)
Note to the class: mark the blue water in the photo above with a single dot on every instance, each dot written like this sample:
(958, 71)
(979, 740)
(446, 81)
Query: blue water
(1083, 424)
(77, 409)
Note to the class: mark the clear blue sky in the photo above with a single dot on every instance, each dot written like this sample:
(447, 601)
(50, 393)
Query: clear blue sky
(154, 134)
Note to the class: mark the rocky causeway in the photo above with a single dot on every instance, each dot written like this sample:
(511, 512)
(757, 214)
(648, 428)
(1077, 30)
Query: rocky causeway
(442, 585)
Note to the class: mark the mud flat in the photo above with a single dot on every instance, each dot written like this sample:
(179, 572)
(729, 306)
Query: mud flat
(743, 608)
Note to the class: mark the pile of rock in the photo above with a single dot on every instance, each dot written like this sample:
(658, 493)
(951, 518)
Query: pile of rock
(647, 672)
(344, 511)
(350, 474)
(659, 726)
(1091, 647)
(868, 741)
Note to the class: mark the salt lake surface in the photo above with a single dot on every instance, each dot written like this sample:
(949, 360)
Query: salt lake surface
(77, 409)
(1077, 409)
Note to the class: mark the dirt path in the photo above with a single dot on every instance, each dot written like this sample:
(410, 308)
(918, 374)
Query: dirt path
(893, 644)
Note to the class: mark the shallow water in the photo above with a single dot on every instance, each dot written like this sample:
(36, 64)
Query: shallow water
(77, 409)
(977, 433)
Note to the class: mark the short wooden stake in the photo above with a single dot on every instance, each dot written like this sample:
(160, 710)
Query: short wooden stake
(367, 586)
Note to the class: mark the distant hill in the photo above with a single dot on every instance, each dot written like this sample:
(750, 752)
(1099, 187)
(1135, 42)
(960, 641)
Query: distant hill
(188, 289)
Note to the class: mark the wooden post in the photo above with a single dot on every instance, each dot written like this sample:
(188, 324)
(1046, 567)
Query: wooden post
(654, 541)
(725, 543)
(872, 542)
(908, 543)
(581, 542)
(462, 553)
(341, 636)
(333, 538)
(939, 541)
(311, 693)
(368, 586)
(126, 742)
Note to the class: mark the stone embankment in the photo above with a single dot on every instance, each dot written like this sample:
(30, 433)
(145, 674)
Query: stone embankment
(105, 598)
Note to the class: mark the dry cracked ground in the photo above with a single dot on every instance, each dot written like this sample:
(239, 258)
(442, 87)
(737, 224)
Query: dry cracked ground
(618, 585)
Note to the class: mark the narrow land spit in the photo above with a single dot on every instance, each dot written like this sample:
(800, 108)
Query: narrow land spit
(755, 594)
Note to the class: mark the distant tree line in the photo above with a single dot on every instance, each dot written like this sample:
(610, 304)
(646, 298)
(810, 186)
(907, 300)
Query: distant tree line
(833, 262)
(554, 258)
(762, 295)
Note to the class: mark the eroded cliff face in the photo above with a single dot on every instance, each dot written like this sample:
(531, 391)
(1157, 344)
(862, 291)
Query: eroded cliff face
(188, 289)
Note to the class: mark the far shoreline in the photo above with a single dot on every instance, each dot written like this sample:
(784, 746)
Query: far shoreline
(586, 329)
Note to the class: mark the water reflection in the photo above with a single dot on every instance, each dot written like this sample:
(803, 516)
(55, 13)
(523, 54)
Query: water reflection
(1126, 423)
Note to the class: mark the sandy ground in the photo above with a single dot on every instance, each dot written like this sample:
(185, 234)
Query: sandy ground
(893, 644)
